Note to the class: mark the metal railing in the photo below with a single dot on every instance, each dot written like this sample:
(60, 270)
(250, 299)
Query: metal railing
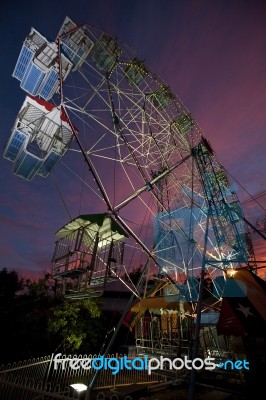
(37, 379)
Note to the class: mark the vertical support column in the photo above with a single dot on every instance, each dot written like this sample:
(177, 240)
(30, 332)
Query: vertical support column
(110, 344)
(192, 380)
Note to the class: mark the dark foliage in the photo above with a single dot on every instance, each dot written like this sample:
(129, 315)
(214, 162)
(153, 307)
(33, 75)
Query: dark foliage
(30, 323)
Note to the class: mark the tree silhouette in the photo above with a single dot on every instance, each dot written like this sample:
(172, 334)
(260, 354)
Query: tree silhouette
(37, 320)
(9, 284)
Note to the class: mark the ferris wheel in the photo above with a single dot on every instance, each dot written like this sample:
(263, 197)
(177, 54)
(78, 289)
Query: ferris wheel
(164, 197)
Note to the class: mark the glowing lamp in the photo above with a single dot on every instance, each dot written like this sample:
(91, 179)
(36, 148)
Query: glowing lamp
(79, 387)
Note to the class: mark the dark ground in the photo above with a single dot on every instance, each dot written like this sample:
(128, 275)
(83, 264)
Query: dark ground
(169, 392)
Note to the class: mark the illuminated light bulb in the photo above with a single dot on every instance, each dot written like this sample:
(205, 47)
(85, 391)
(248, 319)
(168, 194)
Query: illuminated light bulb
(79, 387)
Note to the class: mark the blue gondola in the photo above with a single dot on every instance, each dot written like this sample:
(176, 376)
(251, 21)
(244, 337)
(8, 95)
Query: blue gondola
(37, 66)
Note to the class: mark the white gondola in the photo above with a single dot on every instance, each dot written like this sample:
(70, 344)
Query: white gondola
(40, 137)
(74, 42)
(88, 254)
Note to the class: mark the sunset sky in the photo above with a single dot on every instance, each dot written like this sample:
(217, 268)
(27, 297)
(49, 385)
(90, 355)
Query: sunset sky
(212, 53)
